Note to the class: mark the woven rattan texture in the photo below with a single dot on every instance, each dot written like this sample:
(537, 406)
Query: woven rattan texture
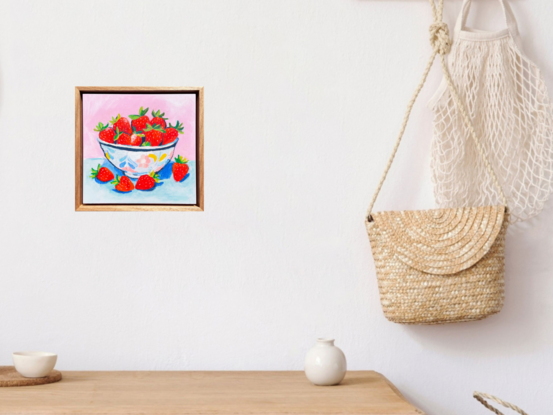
(9, 377)
(439, 266)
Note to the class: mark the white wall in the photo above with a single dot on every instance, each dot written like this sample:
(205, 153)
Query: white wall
(303, 99)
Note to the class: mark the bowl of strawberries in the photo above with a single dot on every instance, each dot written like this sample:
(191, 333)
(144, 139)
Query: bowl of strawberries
(140, 146)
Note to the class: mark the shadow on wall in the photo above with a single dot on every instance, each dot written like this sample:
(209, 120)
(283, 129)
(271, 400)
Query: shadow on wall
(521, 325)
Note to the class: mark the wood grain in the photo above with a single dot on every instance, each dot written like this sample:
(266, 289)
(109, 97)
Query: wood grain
(200, 149)
(213, 393)
(160, 89)
(80, 206)
(78, 149)
(9, 377)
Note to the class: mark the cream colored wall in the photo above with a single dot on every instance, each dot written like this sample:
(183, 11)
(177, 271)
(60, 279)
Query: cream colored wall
(303, 100)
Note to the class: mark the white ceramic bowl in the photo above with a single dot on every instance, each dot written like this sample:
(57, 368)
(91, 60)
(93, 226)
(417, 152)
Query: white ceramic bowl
(137, 161)
(34, 364)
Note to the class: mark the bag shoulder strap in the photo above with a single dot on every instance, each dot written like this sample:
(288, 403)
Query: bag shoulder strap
(441, 45)
(481, 397)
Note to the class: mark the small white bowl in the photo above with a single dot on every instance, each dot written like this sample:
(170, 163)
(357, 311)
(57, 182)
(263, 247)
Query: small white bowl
(34, 364)
(137, 161)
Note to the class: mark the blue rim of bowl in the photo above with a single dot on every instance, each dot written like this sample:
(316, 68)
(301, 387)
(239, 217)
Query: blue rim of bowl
(138, 149)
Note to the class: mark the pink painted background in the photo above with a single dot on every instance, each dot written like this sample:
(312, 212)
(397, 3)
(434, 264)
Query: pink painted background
(102, 107)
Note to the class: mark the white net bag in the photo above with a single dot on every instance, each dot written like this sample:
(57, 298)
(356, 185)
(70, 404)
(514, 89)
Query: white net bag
(508, 103)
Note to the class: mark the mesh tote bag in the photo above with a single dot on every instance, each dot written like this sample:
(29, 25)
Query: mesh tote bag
(507, 101)
(443, 265)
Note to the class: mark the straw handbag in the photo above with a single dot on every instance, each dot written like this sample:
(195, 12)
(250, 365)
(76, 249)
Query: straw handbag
(443, 265)
(481, 397)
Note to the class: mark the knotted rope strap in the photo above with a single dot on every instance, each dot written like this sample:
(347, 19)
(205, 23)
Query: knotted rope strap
(441, 45)
(481, 397)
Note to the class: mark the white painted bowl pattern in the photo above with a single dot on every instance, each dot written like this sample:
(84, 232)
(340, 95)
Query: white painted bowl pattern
(138, 161)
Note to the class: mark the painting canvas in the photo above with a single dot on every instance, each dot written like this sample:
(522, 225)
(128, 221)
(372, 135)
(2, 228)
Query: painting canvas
(139, 148)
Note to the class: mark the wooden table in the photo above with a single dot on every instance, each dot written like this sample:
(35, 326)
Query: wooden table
(209, 393)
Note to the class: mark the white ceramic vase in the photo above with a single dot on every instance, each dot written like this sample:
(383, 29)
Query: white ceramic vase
(325, 364)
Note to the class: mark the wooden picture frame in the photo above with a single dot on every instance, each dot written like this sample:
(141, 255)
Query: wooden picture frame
(199, 149)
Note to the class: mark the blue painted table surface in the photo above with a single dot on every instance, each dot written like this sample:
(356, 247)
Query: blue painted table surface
(167, 191)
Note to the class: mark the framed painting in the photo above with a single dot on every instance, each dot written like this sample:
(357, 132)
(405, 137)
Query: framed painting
(139, 149)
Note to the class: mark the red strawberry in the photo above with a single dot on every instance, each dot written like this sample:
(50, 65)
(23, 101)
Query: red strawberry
(180, 168)
(158, 119)
(102, 173)
(122, 123)
(123, 184)
(147, 182)
(136, 139)
(140, 121)
(154, 135)
(122, 138)
(172, 133)
(106, 132)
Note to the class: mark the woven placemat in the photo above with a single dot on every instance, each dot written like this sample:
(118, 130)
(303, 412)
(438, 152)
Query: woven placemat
(10, 377)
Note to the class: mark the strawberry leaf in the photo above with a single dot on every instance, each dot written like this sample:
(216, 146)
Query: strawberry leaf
(95, 172)
(157, 114)
(155, 127)
(141, 112)
(115, 119)
(180, 160)
(101, 127)
(117, 134)
(154, 176)
(179, 127)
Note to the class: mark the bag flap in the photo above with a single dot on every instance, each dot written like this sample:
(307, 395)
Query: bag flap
(440, 241)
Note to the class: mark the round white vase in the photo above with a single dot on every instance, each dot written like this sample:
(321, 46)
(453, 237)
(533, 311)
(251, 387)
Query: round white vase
(325, 364)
